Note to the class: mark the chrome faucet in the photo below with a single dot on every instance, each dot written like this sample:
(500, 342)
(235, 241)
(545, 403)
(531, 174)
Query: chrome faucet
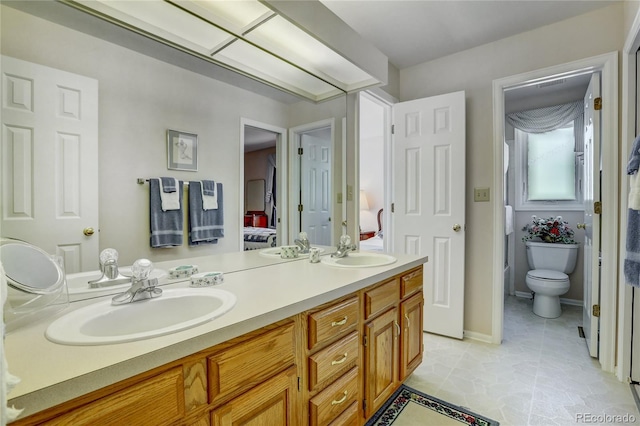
(109, 268)
(344, 247)
(142, 287)
(303, 242)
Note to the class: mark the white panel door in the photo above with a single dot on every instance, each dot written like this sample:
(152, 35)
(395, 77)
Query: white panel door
(50, 161)
(429, 202)
(316, 187)
(591, 179)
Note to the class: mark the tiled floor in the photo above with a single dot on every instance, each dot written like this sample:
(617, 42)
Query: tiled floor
(542, 373)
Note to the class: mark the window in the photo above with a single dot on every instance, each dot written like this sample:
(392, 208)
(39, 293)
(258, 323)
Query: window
(548, 174)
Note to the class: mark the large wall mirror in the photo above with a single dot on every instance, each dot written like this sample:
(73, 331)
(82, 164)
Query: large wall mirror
(145, 88)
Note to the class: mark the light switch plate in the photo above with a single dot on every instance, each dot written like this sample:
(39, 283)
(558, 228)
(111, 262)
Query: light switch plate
(481, 194)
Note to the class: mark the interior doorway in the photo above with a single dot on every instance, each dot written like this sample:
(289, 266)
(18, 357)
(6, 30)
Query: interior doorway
(311, 183)
(607, 66)
(263, 186)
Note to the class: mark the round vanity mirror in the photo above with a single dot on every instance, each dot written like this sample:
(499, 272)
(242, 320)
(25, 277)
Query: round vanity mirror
(30, 269)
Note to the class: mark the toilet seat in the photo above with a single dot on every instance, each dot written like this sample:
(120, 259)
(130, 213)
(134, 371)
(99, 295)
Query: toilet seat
(547, 275)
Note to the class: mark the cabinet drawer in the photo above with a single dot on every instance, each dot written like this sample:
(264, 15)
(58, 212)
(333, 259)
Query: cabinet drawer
(349, 417)
(333, 360)
(380, 298)
(249, 363)
(328, 323)
(410, 283)
(158, 400)
(336, 398)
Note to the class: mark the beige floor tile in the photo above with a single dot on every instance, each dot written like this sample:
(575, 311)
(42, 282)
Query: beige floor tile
(541, 374)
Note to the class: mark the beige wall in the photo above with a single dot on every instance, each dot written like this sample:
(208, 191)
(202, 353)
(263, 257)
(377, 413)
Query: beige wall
(474, 71)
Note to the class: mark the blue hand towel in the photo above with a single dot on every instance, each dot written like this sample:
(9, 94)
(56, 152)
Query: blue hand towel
(634, 157)
(168, 184)
(632, 259)
(166, 226)
(209, 187)
(205, 226)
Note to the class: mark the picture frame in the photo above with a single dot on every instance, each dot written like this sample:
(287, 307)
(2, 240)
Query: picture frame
(182, 150)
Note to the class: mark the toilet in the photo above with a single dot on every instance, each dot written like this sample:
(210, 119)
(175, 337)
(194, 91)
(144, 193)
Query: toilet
(548, 279)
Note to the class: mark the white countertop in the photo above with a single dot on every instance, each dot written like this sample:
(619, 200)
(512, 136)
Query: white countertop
(267, 290)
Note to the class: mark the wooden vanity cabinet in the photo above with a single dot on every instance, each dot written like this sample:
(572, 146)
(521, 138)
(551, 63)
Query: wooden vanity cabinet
(330, 363)
(393, 339)
(333, 365)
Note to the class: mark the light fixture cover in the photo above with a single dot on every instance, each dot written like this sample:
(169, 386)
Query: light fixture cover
(260, 39)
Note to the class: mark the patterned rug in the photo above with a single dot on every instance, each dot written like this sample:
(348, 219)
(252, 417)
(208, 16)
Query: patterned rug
(410, 407)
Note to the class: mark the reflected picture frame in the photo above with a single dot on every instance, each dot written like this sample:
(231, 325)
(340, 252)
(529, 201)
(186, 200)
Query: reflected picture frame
(182, 150)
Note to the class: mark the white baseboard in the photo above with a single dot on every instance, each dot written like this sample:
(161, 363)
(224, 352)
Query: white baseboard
(477, 336)
(564, 301)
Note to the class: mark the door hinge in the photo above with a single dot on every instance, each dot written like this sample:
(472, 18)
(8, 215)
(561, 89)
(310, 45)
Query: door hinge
(364, 341)
(597, 104)
(596, 310)
(300, 207)
(393, 129)
(597, 207)
(393, 207)
(300, 151)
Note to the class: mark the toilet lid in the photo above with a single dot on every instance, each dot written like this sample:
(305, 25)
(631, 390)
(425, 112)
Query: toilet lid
(547, 274)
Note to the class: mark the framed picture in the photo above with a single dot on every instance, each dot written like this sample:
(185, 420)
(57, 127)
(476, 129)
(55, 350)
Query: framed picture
(182, 151)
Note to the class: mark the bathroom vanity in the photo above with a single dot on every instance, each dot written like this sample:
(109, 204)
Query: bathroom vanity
(305, 344)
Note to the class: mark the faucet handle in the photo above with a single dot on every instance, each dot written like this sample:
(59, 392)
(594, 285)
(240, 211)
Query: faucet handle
(141, 269)
(345, 240)
(303, 236)
(107, 255)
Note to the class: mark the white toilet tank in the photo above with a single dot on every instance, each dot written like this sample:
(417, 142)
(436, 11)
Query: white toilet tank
(556, 257)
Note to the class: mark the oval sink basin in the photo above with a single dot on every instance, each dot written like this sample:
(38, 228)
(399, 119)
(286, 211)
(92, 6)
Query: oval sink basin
(103, 323)
(274, 252)
(78, 283)
(359, 260)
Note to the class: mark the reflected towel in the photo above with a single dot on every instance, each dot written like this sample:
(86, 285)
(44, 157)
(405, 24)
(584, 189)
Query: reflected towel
(508, 220)
(168, 184)
(209, 195)
(205, 226)
(170, 200)
(166, 226)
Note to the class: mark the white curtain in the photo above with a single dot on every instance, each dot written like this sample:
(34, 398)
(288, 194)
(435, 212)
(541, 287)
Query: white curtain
(542, 120)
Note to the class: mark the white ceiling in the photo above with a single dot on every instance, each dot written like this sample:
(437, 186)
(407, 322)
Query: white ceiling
(411, 32)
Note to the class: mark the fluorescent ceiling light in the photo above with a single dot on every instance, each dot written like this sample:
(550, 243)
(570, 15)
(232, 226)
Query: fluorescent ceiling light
(244, 35)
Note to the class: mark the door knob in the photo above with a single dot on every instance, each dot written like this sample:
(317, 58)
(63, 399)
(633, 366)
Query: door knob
(457, 227)
(88, 231)
(581, 226)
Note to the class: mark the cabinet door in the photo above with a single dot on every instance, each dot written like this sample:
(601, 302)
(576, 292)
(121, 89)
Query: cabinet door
(381, 359)
(270, 403)
(411, 348)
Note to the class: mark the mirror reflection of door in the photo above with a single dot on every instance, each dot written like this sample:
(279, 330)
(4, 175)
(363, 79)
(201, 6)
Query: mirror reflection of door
(315, 184)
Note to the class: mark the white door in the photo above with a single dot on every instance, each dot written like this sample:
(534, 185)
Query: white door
(315, 181)
(591, 181)
(429, 202)
(50, 161)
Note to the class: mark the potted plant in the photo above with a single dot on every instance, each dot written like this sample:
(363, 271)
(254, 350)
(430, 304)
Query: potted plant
(549, 230)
